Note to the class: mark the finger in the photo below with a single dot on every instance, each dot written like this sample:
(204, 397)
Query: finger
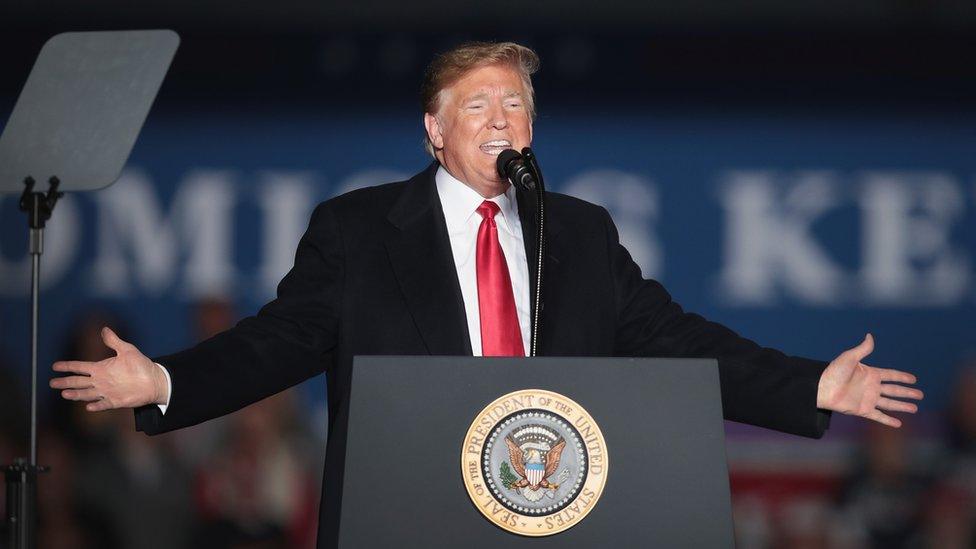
(897, 405)
(81, 394)
(865, 348)
(892, 390)
(71, 382)
(884, 419)
(112, 340)
(897, 376)
(73, 366)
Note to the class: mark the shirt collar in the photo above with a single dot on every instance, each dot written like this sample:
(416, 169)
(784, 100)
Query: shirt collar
(460, 202)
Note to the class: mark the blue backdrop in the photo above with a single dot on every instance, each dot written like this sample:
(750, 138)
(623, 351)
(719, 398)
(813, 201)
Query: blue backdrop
(801, 231)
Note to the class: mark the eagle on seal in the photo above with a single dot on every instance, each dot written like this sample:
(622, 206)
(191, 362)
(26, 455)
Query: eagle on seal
(532, 467)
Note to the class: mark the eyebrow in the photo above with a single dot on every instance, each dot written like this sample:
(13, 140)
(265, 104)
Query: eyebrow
(484, 95)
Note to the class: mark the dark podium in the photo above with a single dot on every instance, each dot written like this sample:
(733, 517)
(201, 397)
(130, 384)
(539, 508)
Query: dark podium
(411, 420)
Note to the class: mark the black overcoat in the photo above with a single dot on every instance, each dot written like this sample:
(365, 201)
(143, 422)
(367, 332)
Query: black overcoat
(374, 275)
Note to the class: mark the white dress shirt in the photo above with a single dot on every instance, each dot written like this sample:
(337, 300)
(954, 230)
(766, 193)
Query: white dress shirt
(169, 389)
(460, 204)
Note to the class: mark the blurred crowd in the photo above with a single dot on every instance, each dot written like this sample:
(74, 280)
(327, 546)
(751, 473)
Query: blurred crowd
(248, 480)
(252, 479)
(894, 489)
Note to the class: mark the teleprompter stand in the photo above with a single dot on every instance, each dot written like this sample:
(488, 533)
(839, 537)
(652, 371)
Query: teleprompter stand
(75, 121)
(21, 477)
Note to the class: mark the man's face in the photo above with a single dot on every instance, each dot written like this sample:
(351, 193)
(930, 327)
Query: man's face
(481, 115)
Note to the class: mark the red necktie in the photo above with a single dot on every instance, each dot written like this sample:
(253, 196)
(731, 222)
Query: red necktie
(500, 332)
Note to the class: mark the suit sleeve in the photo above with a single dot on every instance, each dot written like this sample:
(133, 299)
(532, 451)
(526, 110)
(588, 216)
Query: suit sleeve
(291, 339)
(760, 386)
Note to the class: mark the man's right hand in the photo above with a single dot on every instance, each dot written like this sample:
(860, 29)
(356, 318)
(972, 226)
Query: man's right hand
(127, 380)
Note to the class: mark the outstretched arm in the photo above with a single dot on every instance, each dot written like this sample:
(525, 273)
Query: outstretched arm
(291, 339)
(760, 386)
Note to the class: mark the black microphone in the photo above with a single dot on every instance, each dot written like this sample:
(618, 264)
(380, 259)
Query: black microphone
(511, 166)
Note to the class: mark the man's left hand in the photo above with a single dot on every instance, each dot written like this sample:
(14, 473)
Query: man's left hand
(852, 387)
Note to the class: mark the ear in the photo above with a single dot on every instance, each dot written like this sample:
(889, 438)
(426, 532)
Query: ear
(434, 130)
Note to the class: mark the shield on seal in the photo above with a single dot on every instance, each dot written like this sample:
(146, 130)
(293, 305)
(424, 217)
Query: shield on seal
(534, 473)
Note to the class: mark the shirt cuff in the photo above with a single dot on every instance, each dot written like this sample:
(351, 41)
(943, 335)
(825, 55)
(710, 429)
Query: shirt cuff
(169, 389)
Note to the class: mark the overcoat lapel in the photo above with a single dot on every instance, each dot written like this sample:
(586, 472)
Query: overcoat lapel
(420, 254)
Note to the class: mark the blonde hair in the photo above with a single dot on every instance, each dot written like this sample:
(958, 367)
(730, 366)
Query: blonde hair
(450, 66)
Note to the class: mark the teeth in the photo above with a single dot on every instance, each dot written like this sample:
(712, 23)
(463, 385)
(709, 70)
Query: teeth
(496, 147)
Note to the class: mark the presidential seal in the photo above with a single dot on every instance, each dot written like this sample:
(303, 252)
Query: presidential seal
(534, 462)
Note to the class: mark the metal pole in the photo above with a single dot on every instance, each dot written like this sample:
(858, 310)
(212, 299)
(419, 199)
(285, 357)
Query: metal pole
(36, 249)
(21, 477)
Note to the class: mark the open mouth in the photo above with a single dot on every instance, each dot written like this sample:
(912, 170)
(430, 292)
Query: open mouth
(495, 147)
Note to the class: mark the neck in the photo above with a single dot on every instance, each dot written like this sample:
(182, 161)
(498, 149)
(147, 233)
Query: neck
(489, 189)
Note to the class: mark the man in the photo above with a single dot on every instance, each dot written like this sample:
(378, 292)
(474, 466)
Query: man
(438, 265)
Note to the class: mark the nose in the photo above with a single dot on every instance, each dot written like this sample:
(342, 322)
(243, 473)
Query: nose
(497, 117)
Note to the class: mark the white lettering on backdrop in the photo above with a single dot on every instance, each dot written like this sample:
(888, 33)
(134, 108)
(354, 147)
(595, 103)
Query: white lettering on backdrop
(633, 200)
(139, 243)
(909, 234)
(768, 244)
(286, 200)
(908, 222)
